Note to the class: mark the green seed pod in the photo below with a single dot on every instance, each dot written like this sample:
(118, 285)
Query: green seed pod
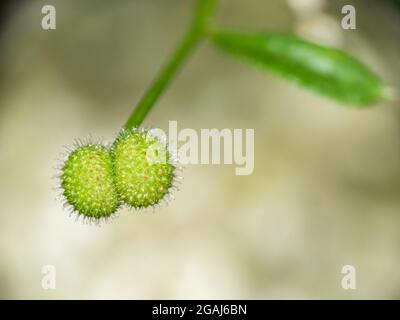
(88, 183)
(143, 168)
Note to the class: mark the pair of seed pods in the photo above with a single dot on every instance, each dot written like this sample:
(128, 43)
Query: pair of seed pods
(97, 180)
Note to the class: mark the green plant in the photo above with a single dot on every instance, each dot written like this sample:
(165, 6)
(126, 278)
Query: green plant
(96, 180)
(143, 171)
(88, 181)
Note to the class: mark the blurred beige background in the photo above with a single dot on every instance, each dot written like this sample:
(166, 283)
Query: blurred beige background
(324, 193)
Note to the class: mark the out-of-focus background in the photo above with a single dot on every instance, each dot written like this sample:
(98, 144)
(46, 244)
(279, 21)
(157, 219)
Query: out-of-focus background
(326, 184)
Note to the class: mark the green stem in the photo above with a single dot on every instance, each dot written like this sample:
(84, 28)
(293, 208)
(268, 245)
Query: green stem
(200, 26)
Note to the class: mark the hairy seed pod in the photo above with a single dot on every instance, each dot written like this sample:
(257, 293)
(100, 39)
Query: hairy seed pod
(87, 181)
(143, 169)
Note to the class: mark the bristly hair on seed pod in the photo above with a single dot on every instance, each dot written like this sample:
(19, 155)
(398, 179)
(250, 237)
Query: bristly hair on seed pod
(87, 182)
(145, 170)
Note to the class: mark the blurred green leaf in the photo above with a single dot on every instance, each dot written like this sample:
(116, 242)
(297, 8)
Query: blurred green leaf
(328, 71)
